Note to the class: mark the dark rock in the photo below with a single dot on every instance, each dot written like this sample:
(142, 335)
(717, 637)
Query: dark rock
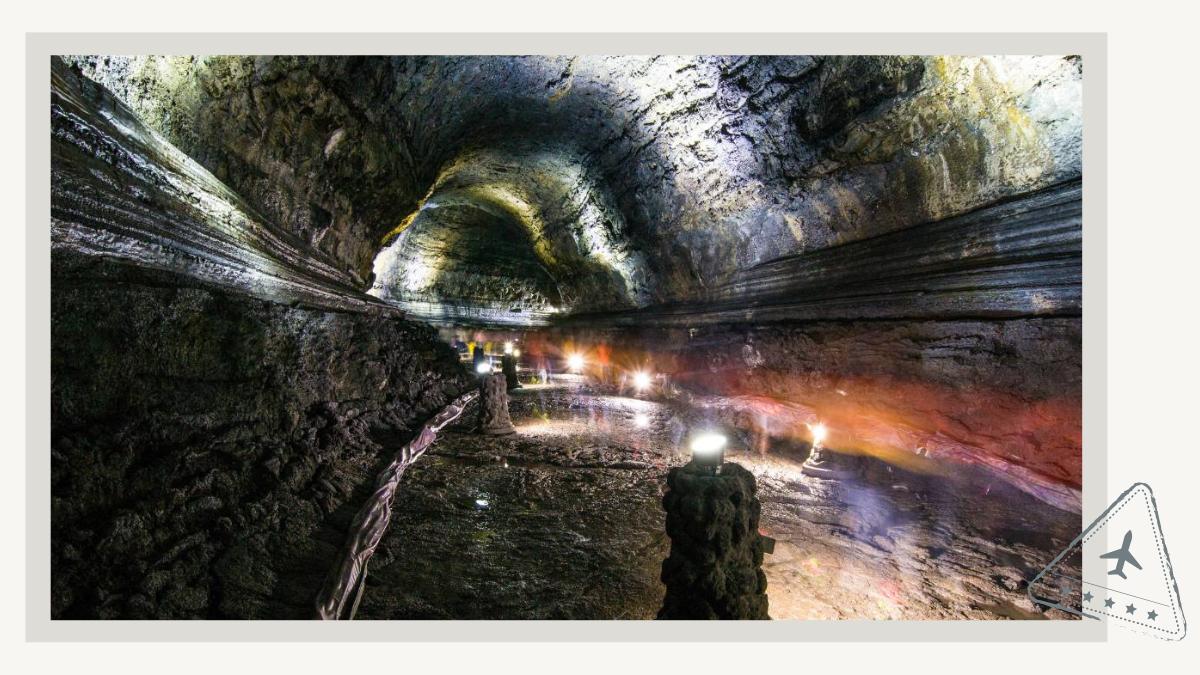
(714, 570)
(508, 365)
(584, 191)
(848, 87)
(217, 388)
(493, 406)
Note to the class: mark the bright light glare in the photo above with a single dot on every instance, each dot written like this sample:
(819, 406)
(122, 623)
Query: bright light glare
(483, 367)
(641, 420)
(508, 348)
(517, 353)
(819, 432)
(575, 362)
(641, 381)
(707, 444)
(481, 503)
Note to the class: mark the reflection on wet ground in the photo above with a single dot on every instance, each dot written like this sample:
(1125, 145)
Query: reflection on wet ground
(563, 521)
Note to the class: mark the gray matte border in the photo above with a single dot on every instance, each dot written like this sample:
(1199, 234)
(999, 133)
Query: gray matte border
(1092, 47)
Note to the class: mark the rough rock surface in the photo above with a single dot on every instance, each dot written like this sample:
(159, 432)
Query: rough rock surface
(714, 570)
(560, 521)
(564, 521)
(1018, 257)
(467, 263)
(493, 405)
(218, 389)
(202, 442)
(612, 165)
(222, 384)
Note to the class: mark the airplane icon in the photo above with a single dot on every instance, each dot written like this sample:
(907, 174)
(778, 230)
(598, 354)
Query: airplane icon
(1122, 556)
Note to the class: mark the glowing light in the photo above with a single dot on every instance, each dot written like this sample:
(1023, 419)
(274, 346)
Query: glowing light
(641, 381)
(483, 367)
(508, 347)
(641, 420)
(516, 353)
(708, 449)
(575, 362)
(482, 503)
(819, 432)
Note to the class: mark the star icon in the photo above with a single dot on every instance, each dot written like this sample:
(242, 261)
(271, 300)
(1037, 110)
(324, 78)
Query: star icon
(1130, 609)
(1152, 615)
(1087, 597)
(1108, 602)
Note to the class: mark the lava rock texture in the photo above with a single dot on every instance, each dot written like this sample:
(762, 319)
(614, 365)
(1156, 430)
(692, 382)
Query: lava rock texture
(714, 570)
(213, 424)
(627, 180)
(493, 406)
(890, 244)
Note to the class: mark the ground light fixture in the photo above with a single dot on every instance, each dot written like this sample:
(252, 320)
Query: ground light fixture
(708, 449)
(575, 363)
(641, 380)
(819, 432)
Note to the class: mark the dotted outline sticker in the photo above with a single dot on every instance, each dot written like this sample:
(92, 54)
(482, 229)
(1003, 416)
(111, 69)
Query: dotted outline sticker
(1120, 503)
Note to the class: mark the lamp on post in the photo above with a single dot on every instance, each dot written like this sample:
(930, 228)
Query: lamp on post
(714, 569)
(708, 450)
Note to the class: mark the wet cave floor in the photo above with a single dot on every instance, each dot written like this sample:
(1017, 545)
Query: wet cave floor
(563, 520)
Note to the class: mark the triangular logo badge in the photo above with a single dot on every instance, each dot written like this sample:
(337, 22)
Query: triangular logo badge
(1118, 570)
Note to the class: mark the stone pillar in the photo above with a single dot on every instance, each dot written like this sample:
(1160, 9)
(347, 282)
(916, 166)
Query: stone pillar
(508, 364)
(714, 570)
(493, 406)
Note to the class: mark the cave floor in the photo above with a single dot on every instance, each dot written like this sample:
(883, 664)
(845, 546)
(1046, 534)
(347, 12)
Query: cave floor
(563, 521)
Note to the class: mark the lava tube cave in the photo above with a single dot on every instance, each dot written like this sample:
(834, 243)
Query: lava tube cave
(563, 337)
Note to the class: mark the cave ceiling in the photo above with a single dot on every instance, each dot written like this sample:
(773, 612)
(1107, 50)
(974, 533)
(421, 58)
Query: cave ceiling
(508, 187)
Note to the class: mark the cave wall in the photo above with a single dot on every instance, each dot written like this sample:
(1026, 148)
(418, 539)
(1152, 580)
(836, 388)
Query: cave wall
(928, 396)
(958, 340)
(664, 175)
(221, 394)
(204, 442)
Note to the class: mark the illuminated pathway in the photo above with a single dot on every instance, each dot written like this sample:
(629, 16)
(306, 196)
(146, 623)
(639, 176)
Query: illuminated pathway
(563, 520)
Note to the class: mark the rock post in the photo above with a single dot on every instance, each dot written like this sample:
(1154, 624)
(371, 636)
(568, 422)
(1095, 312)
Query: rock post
(508, 365)
(493, 406)
(714, 570)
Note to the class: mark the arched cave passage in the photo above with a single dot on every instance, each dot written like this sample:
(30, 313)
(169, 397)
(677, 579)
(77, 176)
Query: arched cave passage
(268, 273)
(465, 258)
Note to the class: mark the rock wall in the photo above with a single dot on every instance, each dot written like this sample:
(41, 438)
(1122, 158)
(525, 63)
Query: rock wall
(203, 443)
(958, 339)
(221, 397)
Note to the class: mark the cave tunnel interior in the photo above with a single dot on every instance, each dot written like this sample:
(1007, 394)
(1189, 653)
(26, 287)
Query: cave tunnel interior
(268, 273)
